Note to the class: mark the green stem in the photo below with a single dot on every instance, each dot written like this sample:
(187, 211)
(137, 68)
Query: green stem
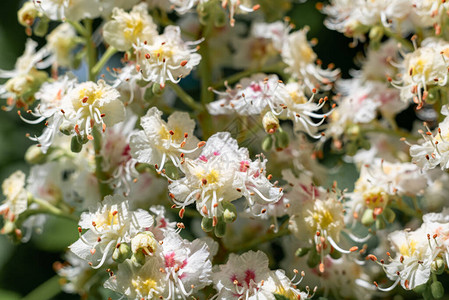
(103, 60)
(79, 28)
(91, 51)
(47, 207)
(260, 240)
(101, 176)
(186, 98)
(47, 290)
(277, 67)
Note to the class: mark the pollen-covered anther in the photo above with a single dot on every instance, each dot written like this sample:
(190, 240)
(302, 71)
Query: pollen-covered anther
(181, 212)
(353, 249)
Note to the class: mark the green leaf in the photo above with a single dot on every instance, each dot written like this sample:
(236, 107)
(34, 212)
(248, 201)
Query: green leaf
(279, 297)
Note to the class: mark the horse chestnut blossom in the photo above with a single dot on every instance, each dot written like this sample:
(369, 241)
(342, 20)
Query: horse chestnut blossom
(433, 150)
(109, 225)
(161, 141)
(16, 196)
(166, 58)
(262, 94)
(89, 104)
(222, 173)
(125, 29)
(422, 69)
(247, 276)
(300, 58)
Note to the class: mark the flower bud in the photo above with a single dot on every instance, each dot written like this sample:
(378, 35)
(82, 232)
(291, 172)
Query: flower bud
(206, 224)
(313, 259)
(270, 122)
(66, 127)
(138, 258)
(282, 139)
(367, 218)
(76, 144)
(267, 143)
(419, 289)
(121, 253)
(34, 155)
(438, 266)
(157, 89)
(437, 289)
(27, 14)
(229, 213)
(389, 215)
(376, 33)
(144, 242)
(41, 27)
(220, 228)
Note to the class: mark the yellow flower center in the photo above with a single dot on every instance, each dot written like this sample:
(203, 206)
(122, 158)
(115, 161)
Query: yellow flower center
(144, 286)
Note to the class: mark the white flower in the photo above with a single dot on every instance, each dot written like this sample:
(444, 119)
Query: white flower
(434, 150)
(24, 79)
(168, 57)
(423, 68)
(16, 196)
(222, 173)
(61, 42)
(73, 10)
(76, 274)
(247, 276)
(125, 29)
(110, 224)
(263, 93)
(89, 103)
(187, 265)
(411, 265)
(300, 59)
(437, 226)
(145, 282)
(160, 141)
(50, 95)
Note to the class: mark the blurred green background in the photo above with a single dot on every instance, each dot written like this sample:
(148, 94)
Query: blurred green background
(24, 267)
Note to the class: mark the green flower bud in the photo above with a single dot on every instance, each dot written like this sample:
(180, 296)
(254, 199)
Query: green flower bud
(138, 258)
(76, 144)
(66, 127)
(41, 27)
(220, 228)
(267, 143)
(229, 213)
(34, 155)
(313, 259)
(367, 218)
(389, 215)
(302, 251)
(437, 290)
(438, 266)
(121, 253)
(420, 288)
(376, 33)
(207, 224)
(157, 89)
(282, 139)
